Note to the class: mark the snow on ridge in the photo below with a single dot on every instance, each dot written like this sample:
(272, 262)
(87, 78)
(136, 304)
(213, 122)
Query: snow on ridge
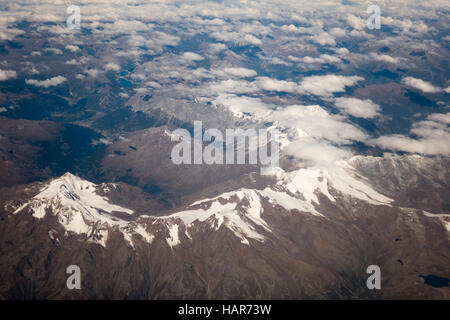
(342, 177)
(443, 217)
(294, 190)
(173, 239)
(236, 216)
(140, 230)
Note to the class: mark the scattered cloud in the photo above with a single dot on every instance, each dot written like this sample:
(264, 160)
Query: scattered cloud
(217, 47)
(236, 37)
(338, 32)
(324, 39)
(430, 137)
(240, 72)
(384, 58)
(328, 84)
(7, 74)
(112, 67)
(54, 51)
(421, 85)
(358, 108)
(356, 22)
(315, 85)
(270, 84)
(93, 72)
(191, 56)
(51, 82)
(287, 35)
(323, 58)
(72, 48)
(315, 135)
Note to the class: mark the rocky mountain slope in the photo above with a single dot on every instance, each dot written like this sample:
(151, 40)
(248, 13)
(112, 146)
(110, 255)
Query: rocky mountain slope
(308, 233)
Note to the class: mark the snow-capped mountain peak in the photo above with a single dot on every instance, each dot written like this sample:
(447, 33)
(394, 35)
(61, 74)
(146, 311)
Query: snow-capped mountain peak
(70, 191)
(80, 209)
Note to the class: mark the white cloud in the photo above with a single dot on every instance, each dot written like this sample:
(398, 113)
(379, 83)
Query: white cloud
(360, 34)
(328, 84)
(342, 51)
(440, 118)
(232, 86)
(141, 90)
(153, 84)
(316, 122)
(93, 72)
(356, 22)
(138, 76)
(323, 39)
(7, 74)
(406, 24)
(384, 58)
(191, 56)
(275, 60)
(432, 137)
(72, 48)
(54, 51)
(292, 28)
(421, 85)
(215, 47)
(358, 108)
(7, 21)
(237, 37)
(315, 135)
(51, 82)
(155, 42)
(270, 84)
(338, 32)
(252, 39)
(30, 68)
(323, 58)
(316, 152)
(240, 105)
(240, 72)
(112, 66)
(315, 85)
(72, 61)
